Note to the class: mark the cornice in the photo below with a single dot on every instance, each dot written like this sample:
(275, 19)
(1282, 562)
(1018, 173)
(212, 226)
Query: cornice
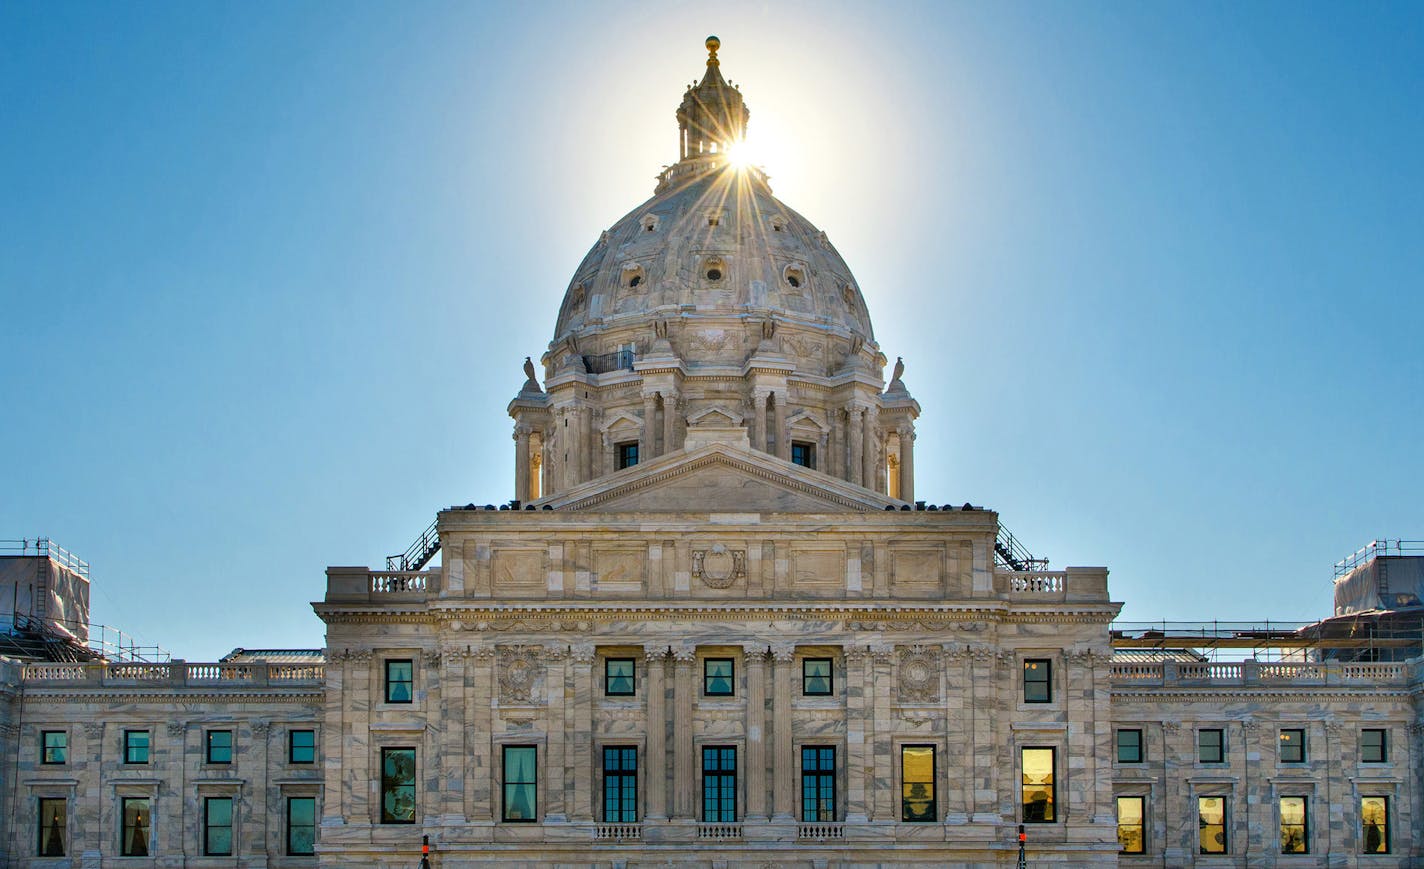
(87, 693)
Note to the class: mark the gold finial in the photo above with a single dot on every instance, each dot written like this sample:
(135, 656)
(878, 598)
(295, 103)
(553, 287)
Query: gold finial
(713, 43)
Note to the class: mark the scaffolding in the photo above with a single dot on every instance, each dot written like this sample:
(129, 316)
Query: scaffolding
(1359, 637)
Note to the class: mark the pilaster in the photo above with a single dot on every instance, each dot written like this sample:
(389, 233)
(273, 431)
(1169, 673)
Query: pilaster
(755, 655)
(783, 752)
(656, 761)
(682, 747)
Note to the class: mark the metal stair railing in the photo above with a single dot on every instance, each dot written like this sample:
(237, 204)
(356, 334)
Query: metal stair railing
(418, 554)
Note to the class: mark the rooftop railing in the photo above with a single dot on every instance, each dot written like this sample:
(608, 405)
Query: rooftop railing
(177, 674)
(1376, 548)
(1276, 673)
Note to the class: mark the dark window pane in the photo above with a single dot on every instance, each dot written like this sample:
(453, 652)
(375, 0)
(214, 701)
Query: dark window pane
(55, 746)
(399, 681)
(1037, 680)
(219, 746)
(302, 746)
(620, 784)
(54, 816)
(803, 453)
(398, 786)
(1373, 747)
(717, 677)
(301, 826)
(719, 784)
(618, 677)
(137, 822)
(1129, 746)
(217, 826)
(135, 746)
(1210, 746)
(818, 783)
(816, 678)
(1292, 746)
(520, 783)
(917, 783)
(627, 455)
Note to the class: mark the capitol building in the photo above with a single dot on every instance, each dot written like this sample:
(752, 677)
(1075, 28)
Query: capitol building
(715, 624)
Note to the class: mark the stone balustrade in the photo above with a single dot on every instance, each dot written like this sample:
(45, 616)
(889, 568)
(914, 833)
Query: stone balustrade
(719, 831)
(618, 832)
(399, 581)
(1038, 582)
(1127, 674)
(173, 674)
(820, 831)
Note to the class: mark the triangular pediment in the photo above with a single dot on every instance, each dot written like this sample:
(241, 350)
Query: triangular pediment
(719, 478)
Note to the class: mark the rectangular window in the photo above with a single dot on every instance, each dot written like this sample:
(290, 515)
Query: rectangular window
(1292, 746)
(1037, 680)
(627, 454)
(1211, 824)
(1131, 825)
(137, 822)
(54, 746)
(816, 678)
(53, 826)
(1211, 746)
(719, 784)
(301, 826)
(135, 746)
(521, 799)
(1374, 747)
(1295, 836)
(717, 677)
(803, 453)
(217, 827)
(917, 783)
(398, 786)
(219, 746)
(620, 784)
(1129, 746)
(1374, 824)
(618, 677)
(1040, 790)
(400, 679)
(301, 746)
(818, 783)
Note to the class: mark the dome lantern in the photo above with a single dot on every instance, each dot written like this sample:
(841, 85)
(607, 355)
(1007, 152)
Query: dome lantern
(712, 117)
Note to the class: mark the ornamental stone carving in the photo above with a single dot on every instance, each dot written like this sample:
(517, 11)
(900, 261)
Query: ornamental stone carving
(94, 729)
(919, 675)
(783, 653)
(655, 654)
(259, 729)
(684, 654)
(582, 653)
(431, 659)
(176, 728)
(518, 671)
(718, 566)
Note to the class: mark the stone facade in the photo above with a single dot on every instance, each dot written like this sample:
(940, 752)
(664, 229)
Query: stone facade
(721, 650)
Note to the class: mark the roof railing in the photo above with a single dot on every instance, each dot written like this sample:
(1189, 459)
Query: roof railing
(44, 547)
(1375, 548)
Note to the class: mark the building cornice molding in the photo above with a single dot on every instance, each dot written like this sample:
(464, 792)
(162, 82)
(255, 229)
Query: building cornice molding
(88, 694)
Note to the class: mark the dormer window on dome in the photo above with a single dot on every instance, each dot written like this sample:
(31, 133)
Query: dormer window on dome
(795, 276)
(633, 275)
(650, 223)
(714, 269)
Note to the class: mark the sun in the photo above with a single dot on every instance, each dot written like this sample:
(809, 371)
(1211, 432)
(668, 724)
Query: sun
(739, 154)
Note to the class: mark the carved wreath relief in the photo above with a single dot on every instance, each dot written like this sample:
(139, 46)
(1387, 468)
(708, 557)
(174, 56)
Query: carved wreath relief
(919, 676)
(719, 567)
(518, 670)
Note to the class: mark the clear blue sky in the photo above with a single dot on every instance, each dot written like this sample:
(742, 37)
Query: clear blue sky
(268, 271)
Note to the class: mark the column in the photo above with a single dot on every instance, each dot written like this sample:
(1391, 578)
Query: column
(682, 743)
(783, 438)
(857, 734)
(884, 797)
(647, 443)
(578, 755)
(588, 441)
(907, 463)
(480, 804)
(756, 425)
(452, 733)
(521, 462)
(835, 462)
(783, 758)
(555, 810)
(656, 761)
(755, 654)
(669, 421)
(869, 453)
(857, 444)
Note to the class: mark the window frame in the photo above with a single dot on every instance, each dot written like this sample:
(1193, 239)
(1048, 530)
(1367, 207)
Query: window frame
(608, 677)
(62, 747)
(830, 677)
(209, 826)
(720, 777)
(1139, 753)
(1383, 745)
(818, 776)
(208, 747)
(1225, 823)
(623, 451)
(1385, 842)
(388, 682)
(289, 827)
(505, 784)
(40, 804)
(1304, 824)
(624, 784)
(731, 677)
(292, 746)
(1220, 744)
(932, 807)
(1031, 664)
(124, 828)
(1051, 815)
(1141, 824)
(1286, 742)
(131, 747)
(389, 782)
